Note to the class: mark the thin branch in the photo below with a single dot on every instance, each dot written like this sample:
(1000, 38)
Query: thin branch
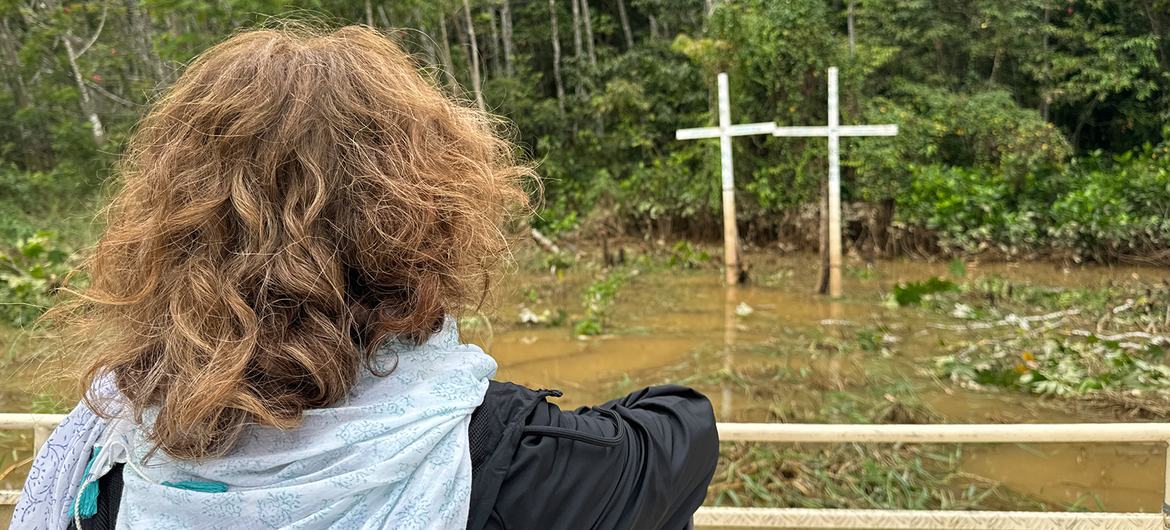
(97, 33)
(112, 96)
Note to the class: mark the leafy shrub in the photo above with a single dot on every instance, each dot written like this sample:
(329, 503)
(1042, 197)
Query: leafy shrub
(684, 255)
(31, 272)
(913, 293)
(1116, 208)
(598, 299)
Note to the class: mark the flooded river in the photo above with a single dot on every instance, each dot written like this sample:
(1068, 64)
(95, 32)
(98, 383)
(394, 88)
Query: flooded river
(672, 325)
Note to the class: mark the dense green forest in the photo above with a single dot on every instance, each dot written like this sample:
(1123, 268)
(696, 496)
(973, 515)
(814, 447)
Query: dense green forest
(1029, 127)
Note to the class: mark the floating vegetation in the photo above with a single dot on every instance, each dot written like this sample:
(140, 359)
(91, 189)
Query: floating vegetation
(684, 255)
(598, 299)
(913, 293)
(873, 476)
(856, 476)
(1106, 345)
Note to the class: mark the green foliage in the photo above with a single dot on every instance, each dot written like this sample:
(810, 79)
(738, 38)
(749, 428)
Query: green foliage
(683, 255)
(1116, 207)
(858, 476)
(1060, 367)
(598, 299)
(1003, 108)
(1094, 209)
(31, 271)
(913, 293)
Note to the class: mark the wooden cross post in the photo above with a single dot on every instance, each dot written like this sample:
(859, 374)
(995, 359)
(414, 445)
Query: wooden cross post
(724, 132)
(834, 131)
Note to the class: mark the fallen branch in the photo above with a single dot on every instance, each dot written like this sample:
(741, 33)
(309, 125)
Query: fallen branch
(1023, 322)
(1129, 335)
(544, 242)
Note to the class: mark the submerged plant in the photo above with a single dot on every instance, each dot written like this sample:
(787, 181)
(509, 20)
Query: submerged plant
(598, 299)
(913, 293)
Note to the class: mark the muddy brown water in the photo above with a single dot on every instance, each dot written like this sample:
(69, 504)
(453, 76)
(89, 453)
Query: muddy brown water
(683, 326)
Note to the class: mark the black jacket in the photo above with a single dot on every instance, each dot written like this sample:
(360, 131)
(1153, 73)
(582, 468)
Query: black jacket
(640, 462)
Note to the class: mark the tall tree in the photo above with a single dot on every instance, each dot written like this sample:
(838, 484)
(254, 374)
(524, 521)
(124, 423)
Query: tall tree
(506, 34)
(445, 53)
(72, 53)
(428, 44)
(556, 46)
(577, 49)
(851, 30)
(625, 20)
(140, 28)
(494, 40)
(588, 32)
(475, 82)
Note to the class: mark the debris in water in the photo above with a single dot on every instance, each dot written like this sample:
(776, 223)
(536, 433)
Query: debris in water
(963, 311)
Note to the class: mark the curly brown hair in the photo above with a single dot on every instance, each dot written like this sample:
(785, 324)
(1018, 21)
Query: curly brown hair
(296, 199)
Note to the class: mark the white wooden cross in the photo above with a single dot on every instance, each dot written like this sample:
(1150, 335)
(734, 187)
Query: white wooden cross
(724, 132)
(834, 131)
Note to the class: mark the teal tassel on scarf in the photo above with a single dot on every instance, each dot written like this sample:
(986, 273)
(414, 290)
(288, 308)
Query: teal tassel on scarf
(204, 486)
(87, 500)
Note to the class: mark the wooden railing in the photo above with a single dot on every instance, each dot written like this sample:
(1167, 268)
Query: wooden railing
(42, 424)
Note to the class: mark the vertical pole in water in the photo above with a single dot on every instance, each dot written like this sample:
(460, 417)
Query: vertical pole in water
(730, 232)
(834, 190)
(726, 396)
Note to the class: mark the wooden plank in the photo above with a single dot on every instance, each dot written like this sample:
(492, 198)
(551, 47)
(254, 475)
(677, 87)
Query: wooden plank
(868, 130)
(834, 190)
(801, 131)
(730, 230)
(954, 433)
(921, 519)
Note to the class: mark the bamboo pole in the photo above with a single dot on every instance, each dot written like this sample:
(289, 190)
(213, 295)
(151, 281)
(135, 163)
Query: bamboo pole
(834, 190)
(730, 231)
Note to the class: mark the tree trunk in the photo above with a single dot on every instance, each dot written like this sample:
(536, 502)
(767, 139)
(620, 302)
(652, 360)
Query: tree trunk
(494, 55)
(1044, 97)
(995, 63)
(445, 53)
(556, 45)
(369, 14)
(11, 62)
(10, 65)
(506, 33)
(475, 83)
(588, 32)
(625, 25)
(144, 41)
(653, 27)
(1155, 27)
(86, 102)
(852, 34)
(576, 30)
(382, 16)
(427, 42)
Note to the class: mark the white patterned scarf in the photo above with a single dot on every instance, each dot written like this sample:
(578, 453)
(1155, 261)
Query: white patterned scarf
(394, 455)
